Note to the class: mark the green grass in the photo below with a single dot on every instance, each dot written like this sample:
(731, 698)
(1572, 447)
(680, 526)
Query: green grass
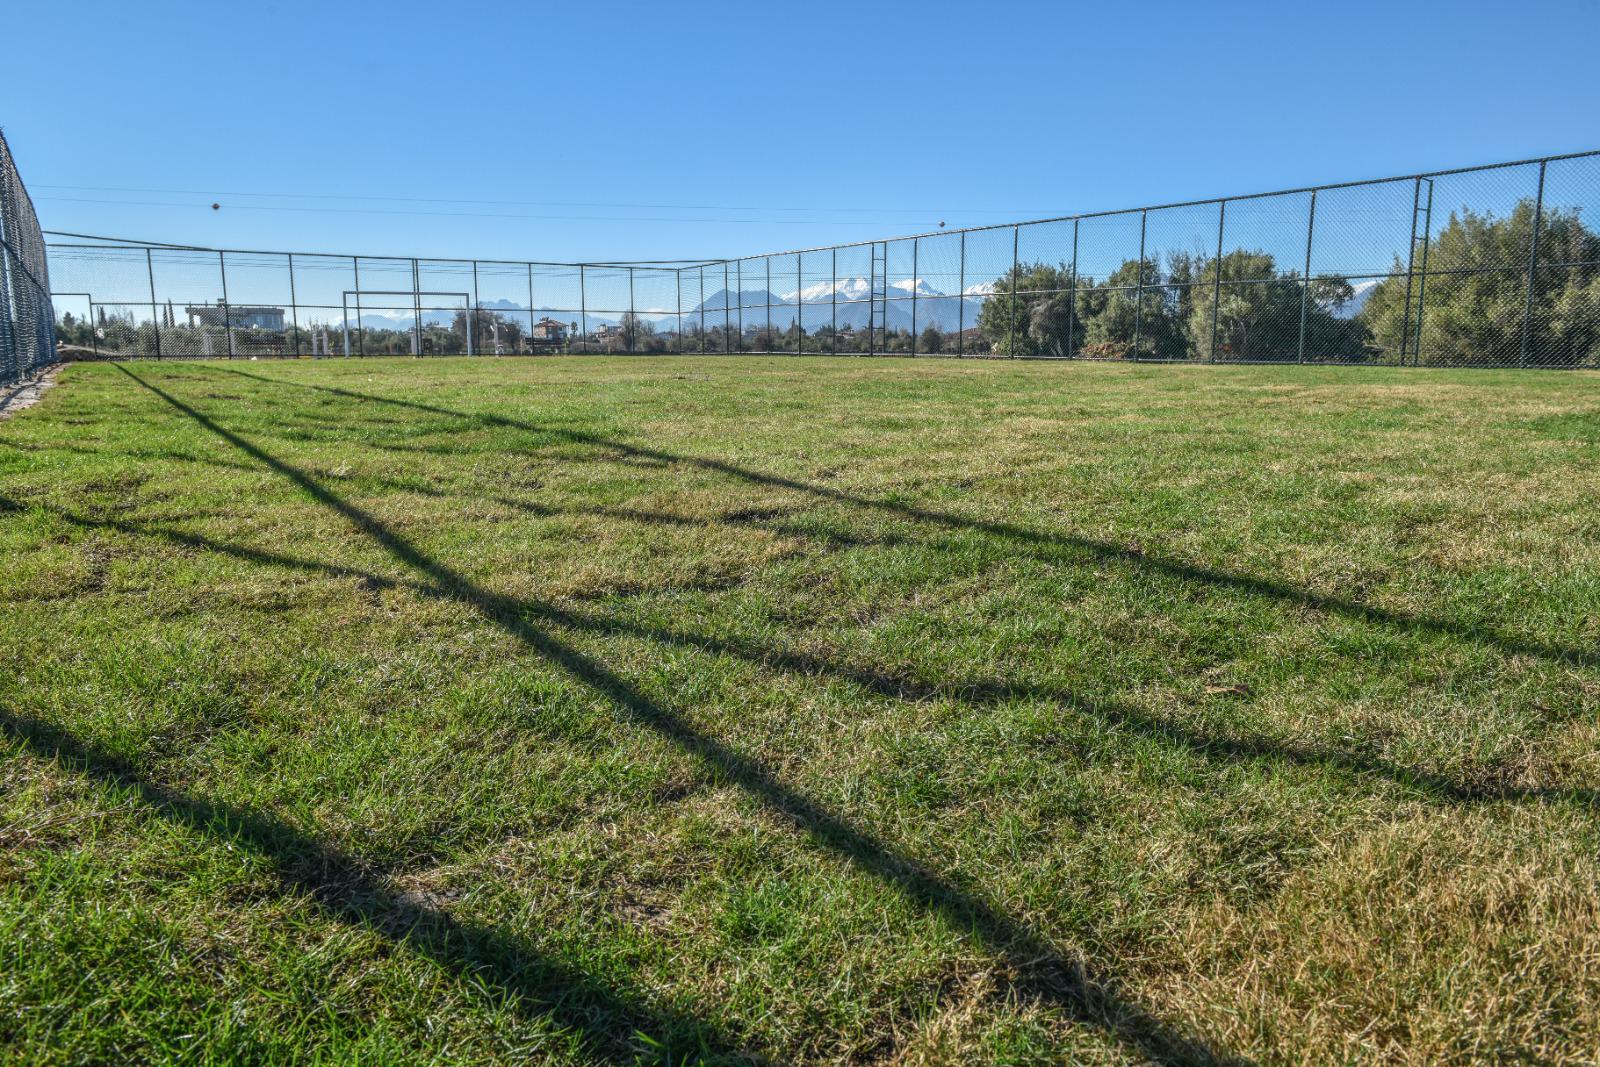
(799, 710)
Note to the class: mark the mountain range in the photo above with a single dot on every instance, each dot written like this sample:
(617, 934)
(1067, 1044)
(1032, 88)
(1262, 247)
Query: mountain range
(854, 309)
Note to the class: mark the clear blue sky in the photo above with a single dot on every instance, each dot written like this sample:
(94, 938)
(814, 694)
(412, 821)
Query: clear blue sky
(611, 131)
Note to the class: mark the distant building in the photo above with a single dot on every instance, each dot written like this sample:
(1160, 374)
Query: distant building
(549, 331)
(606, 332)
(239, 316)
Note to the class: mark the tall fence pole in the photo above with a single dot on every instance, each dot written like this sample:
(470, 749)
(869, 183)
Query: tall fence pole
(361, 337)
(633, 317)
(1216, 287)
(155, 323)
(915, 246)
(1422, 279)
(727, 314)
(1138, 289)
(1305, 279)
(1533, 267)
(583, 308)
(472, 313)
(416, 308)
(1072, 290)
(532, 325)
(677, 278)
(833, 295)
(227, 308)
(1411, 264)
(294, 307)
(799, 304)
(1016, 271)
(872, 293)
(961, 304)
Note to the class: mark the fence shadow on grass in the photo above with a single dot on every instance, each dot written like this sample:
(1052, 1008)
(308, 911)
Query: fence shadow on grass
(1077, 986)
(1427, 785)
(606, 1022)
(1035, 539)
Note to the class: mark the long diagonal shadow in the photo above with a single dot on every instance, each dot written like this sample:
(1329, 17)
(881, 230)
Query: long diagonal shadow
(1074, 984)
(608, 1022)
(974, 691)
(1038, 539)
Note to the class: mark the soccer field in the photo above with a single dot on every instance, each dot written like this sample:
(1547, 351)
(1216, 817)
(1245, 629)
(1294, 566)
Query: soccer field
(799, 710)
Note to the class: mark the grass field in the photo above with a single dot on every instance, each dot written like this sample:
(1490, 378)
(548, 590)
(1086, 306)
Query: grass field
(799, 710)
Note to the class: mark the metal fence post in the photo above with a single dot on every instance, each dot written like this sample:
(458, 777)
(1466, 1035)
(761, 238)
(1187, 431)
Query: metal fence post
(1411, 263)
(872, 293)
(1305, 279)
(799, 304)
(833, 287)
(1138, 289)
(633, 316)
(472, 313)
(227, 308)
(1422, 281)
(727, 315)
(361, 338)
(1533, 267)
(769, 304)
(155, 318)
(1016, 269)
(1216, 288)
(916, 242)
(677, 278)
(416, 308)
(961, 305)
(583, 308)
(294, 307)
(1072, 290)
(532, 323)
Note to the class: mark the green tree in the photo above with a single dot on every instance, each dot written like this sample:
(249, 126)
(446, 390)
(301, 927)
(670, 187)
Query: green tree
(930, 341)
(1474, 300)
(1027, 315)
(1258, 312)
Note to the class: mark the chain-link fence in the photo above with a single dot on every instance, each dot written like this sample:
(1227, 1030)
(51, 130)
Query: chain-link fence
(27, 343)
(1488, 266)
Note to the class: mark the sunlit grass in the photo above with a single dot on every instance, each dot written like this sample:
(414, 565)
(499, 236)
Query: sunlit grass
(821, 710)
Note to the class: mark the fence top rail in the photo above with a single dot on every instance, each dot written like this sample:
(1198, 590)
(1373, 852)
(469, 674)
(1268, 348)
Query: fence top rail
(1357, 183)
(105, 242)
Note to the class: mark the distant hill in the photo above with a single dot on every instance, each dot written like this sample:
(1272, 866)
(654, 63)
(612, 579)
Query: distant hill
(933, 307)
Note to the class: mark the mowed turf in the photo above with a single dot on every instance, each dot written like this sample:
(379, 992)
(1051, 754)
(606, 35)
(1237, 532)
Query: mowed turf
(799, 710)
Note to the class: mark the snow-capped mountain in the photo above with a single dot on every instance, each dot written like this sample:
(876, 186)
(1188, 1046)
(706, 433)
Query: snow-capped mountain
(391, 318)
(1363, 290)
(853, 306)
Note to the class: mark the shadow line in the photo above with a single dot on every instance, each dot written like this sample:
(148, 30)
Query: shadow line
(1072, 983)
(975, 691)
(1034, 538)
(608, 1023)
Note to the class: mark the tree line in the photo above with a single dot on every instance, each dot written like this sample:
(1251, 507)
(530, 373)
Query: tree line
(1474, 300)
